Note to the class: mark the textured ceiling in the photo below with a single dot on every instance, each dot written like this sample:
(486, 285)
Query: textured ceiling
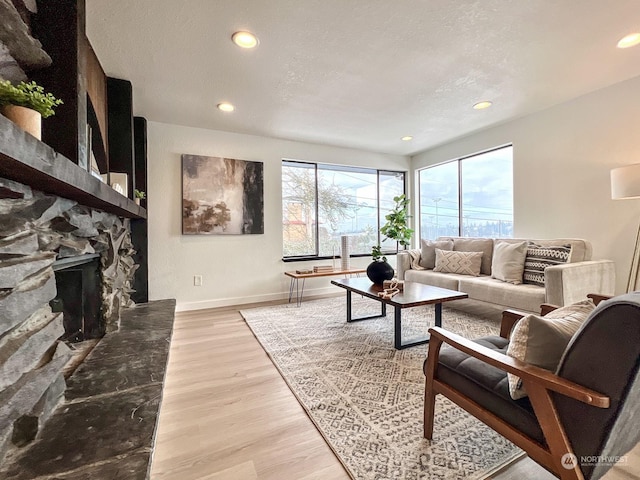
(361, 73)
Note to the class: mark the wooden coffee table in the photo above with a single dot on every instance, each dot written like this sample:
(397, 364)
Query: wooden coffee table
(414, 295)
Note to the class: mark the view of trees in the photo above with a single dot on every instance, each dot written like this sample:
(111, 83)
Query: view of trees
(347, 204)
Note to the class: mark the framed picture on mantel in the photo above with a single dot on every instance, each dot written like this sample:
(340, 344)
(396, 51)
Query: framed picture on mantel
(221, 196)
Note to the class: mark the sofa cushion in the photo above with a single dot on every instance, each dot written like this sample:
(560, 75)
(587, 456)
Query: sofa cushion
(581, 250)
(429, 277)
(541, 341)
(484, 245)
(508, 261)
(539, 257)
(487, 385)
(487, 289)
(428, 251)
(465, 263)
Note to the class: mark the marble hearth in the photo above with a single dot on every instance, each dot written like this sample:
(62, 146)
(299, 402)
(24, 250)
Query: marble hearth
(105, 428)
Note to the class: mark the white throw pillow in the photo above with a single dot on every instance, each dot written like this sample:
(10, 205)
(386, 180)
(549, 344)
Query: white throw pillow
(508, 261)
(464, 263)
(541, 341)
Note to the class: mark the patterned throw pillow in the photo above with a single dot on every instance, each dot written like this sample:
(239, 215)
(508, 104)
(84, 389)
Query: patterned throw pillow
(538, 258)
(428, 251)
(464, 263)
(541, 341)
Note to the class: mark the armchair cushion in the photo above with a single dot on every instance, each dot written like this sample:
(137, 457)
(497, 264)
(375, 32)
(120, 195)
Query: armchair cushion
(541, 341)
(487, 385)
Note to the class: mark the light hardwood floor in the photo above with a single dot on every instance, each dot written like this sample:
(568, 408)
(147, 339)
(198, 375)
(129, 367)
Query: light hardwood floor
(227, 413)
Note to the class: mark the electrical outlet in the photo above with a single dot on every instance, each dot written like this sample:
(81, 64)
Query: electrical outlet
(197, 280)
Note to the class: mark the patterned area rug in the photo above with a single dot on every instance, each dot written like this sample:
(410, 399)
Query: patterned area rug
(366, 397)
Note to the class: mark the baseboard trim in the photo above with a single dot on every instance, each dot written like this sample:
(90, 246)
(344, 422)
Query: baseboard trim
(232, 301)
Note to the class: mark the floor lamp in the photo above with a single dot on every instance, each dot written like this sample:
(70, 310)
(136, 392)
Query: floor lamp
(625, 184)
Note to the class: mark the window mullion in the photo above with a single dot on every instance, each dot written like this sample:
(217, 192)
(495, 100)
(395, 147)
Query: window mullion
(317, 230)
(378, 206)
(460, 225)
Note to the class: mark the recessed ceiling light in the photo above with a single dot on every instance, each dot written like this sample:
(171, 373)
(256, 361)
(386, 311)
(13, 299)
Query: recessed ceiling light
(406, 138)
(482, 105)
(226, 107)
(630, 40)
(245, 39)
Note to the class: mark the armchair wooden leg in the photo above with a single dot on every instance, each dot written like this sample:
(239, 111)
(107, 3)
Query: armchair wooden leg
(429, 393)
(429, 409)
(557, 441)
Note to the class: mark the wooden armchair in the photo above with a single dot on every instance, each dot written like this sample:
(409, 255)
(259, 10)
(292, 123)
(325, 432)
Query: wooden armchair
(589, 408)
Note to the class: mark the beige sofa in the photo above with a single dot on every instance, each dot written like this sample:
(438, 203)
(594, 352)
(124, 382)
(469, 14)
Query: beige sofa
(564, 284)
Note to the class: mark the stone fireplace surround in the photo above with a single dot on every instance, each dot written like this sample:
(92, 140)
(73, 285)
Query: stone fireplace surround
(36, 229)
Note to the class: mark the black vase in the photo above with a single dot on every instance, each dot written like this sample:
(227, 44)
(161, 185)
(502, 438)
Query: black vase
(378, 272)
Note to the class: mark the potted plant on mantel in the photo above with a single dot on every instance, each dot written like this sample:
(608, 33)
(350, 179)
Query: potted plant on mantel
(26, 104)
(396, 229)
(139, 195)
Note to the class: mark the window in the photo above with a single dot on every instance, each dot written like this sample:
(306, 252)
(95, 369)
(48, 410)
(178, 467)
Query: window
(320, 203)
(470, 197)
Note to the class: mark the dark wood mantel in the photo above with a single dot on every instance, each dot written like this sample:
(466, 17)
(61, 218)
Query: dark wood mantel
(27, 160)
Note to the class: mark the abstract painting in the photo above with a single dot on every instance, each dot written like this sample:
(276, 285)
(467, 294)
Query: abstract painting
(221, 196)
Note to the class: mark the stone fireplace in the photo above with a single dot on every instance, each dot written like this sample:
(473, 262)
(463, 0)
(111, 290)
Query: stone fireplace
(66, 252)
(47, 240)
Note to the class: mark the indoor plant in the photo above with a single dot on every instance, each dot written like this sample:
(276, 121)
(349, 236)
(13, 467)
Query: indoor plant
(138, 195)
(25, 104)
(397, 227)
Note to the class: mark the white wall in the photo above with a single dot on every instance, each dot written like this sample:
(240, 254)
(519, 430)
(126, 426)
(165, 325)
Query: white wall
(562, 158)
(236, 269)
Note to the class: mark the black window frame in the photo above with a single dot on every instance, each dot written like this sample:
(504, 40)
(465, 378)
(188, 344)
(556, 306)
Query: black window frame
(340, 167)
(458, 161)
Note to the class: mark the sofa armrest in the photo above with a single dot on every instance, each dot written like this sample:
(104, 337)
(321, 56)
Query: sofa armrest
(403, 263)
(571, 282)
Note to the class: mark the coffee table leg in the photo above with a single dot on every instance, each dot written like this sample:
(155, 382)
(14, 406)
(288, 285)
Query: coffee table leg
(397, 329)
(351, 318)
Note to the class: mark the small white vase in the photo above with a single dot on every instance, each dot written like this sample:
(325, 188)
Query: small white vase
(137, 200)
(26, 118)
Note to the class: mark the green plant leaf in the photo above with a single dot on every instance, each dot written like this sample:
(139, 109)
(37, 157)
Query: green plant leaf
(29, 95)
(396, 227)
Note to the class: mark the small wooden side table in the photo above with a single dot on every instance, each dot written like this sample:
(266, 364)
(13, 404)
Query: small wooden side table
(296, 277)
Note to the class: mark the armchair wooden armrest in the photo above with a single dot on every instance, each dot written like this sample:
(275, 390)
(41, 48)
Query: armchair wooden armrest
(597, 298)
(546, 308)
(509, 319)
(528, 373)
